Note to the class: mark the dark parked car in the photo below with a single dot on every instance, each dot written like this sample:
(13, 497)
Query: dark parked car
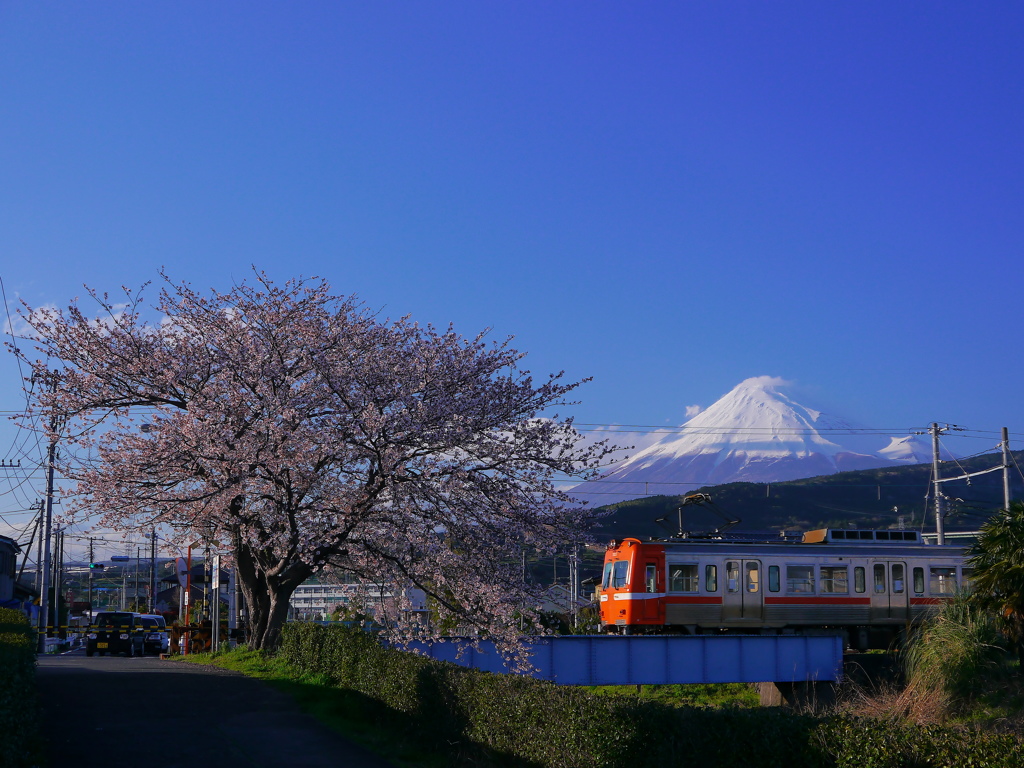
(116, 632)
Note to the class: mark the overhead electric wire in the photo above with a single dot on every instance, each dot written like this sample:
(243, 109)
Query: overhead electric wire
(713, 428)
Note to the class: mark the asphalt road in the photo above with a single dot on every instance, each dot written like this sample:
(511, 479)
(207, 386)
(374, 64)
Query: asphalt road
(127, 713)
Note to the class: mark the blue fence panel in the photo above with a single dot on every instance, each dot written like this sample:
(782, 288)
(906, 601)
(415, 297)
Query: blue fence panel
(661, 659)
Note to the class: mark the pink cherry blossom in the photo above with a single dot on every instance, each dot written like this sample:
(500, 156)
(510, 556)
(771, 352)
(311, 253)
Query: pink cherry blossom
(308, 434)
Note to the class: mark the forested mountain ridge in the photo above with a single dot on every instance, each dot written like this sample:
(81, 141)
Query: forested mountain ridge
(871, 498)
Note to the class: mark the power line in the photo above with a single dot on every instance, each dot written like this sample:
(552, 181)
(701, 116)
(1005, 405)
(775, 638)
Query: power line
(711, 428)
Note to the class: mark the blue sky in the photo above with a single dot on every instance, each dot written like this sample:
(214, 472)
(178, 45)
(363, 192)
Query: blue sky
(668, 197)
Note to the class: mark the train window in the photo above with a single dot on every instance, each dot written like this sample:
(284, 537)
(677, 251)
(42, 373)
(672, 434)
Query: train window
(651, 577)
(835, 579)
(879, 577)
(897, 578)
(620, 574)
(919, 580)
(753, 577)
(800, 578)
(711, 578)
(732, 575)
(859, 582)
(968, 574)
(607, 581)
(773, 578)
(943, 580)
(682, 577)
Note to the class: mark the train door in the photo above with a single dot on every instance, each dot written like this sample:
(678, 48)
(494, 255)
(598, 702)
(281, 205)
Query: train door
(743, 600)
(651, 605)
(889, 598)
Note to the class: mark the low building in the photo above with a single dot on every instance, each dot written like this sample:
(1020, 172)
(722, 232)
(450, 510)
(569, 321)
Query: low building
(318, 601)
(8, 568)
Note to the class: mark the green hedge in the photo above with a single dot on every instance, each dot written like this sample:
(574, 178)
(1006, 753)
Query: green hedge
(510, 719)
(504, 719)
(19, 740)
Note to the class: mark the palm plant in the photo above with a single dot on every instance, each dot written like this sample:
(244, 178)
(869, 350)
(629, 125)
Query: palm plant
(997, 559)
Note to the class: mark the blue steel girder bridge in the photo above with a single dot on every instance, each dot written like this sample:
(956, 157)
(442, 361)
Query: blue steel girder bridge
(789, 666)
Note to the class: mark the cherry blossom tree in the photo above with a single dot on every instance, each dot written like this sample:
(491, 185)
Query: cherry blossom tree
(308, 434)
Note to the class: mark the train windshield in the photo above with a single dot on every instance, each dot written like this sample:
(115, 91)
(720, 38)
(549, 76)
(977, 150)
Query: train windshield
(620, 574)
(607, 580)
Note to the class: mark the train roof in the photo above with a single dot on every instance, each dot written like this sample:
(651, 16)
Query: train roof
(824, 540)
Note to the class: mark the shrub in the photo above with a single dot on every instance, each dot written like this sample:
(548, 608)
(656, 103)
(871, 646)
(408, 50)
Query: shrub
(479, 718)
(505, 717)
(19, 744)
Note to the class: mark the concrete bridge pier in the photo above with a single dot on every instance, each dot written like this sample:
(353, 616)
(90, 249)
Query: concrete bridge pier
(808, 696)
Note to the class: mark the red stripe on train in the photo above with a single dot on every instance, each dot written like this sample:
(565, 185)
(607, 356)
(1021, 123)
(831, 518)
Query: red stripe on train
(693, 601)
(817, 601)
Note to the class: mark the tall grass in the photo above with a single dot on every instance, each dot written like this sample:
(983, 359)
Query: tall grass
(950, 660)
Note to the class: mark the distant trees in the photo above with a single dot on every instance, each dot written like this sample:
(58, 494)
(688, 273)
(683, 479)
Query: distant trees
(308, 433)
(997, 560)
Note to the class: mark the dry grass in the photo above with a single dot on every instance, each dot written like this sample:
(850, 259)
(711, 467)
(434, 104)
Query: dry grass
(956, 671)
(890, 701)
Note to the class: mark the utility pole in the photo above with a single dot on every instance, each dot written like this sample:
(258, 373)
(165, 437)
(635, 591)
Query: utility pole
(91, 561)
(138, 558)
(232, 601)
(124, 585)
(38, 583)
(31, 540)
(574, 584)
(1006, 469)
(152, 571)
(44, 588)
(939, 530)
(935, 431)
(58, 579)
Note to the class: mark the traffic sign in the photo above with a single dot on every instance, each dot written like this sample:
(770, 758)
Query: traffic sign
(119, 558)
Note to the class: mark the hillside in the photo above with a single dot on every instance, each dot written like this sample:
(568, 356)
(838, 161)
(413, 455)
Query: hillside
(872, 498)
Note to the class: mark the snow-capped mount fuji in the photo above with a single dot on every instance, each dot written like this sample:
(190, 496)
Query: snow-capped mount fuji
(755, 433)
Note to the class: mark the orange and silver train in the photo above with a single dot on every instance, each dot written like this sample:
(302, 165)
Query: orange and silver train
(869, 584)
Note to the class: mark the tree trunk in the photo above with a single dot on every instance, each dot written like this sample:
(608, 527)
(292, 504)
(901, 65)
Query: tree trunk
(266, 597)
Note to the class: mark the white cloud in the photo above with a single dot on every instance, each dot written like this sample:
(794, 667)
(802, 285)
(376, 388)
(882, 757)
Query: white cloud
(17, 325)
(766, 382)
(693, 410)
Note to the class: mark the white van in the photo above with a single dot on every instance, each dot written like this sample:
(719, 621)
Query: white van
(157, 640)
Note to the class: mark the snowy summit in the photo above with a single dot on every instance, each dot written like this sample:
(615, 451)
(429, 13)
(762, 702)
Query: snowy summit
(755, 433)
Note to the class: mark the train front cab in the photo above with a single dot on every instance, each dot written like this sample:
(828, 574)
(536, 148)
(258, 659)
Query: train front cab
(632, 587)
